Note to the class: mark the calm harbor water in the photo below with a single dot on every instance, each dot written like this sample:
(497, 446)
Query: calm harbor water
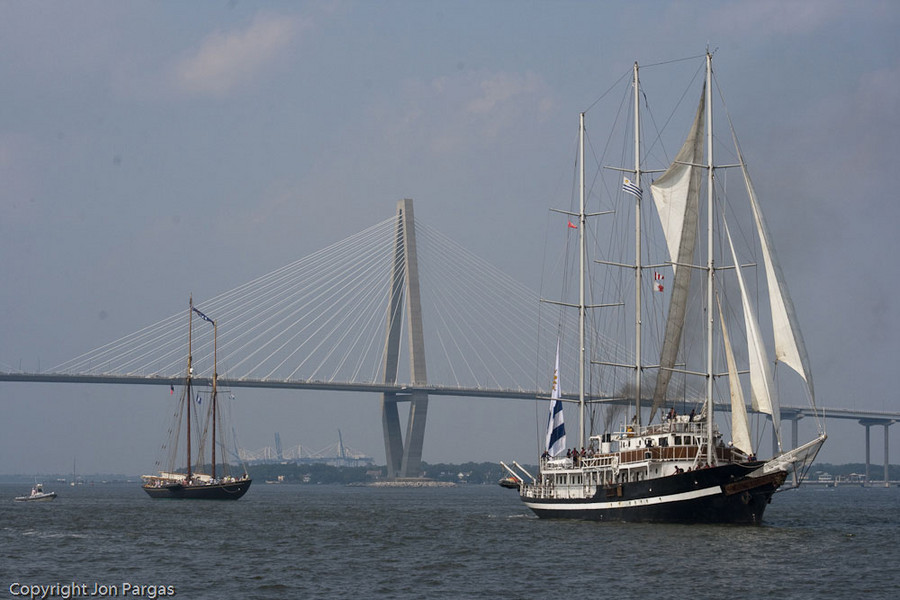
(286, 541)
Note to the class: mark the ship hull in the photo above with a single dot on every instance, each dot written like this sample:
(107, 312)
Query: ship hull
(717, 495)
(45, 497)
(216, 491)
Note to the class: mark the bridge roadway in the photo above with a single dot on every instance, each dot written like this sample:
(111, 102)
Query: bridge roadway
(788, 412)
(865, 418)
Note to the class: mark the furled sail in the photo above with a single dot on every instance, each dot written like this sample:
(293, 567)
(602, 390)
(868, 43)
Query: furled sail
(763, 395)
(740, 425)
(789, 346)
(676, 194)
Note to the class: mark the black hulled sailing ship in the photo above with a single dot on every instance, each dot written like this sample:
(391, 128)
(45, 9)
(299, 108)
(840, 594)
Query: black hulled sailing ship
(678, 467)
(191, 483)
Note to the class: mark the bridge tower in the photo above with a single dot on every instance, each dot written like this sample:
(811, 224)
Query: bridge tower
(404, 460)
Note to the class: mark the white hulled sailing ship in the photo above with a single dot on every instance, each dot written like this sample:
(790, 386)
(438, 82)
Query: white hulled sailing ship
(677, 466)
(217, 484)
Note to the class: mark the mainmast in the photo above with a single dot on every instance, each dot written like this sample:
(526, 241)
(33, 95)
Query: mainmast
(637, 249)
(581, 298)
(190, 373)
(710, 266)
(215, 377)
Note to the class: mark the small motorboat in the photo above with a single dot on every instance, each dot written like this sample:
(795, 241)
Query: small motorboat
(37, 495)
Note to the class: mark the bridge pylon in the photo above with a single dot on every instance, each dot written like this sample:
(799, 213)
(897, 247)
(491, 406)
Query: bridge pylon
(404, 460)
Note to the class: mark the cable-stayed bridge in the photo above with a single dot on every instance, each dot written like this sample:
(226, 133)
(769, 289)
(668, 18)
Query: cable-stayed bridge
(351, 317)
(357, 316)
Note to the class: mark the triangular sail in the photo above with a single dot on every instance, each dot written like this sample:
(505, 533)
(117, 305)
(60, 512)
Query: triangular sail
(676, 194)
(763, 396)
(789, 346)
(740, 425)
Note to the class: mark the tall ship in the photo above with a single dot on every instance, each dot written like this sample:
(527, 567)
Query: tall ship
(665, 458)
(191, 483)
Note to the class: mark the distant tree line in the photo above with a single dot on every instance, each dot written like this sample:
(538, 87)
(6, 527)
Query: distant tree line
(466, 473)
(876, 470)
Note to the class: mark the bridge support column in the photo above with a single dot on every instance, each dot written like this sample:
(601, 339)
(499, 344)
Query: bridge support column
(887, 478)
(867, 423)
(404, 460)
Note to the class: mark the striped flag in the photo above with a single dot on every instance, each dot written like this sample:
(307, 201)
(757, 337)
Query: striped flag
(202, 316)
(658, 277)
(556, 428)
(631, 187)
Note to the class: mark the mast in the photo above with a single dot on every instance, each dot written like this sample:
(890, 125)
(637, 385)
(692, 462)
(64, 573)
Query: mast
(190, 372)
(581, 299)
(215, 377)
(710, 266)
(637, 251)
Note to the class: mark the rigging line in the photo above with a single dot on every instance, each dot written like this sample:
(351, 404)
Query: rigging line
(87, 357)
(264, 308)
(465, 314)
(456, 347)
(488, 273)
(266, 312)
(316, 347)
(478, 291)
(449, 291)
(276, 295)
(610, 89)
(296, 334)
(376, 287)
(301, 263)
(97, 355)
(312, 293)
(390, 319)
(290, 338)
(675, 60)
(152, 340)
(375, 323)
(486, 328)
(449, 362)
(347, 328)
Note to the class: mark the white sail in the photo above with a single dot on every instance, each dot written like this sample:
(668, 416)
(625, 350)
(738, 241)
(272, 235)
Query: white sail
(789, 346)
(763, 396)
(676, 194)
(740, 425)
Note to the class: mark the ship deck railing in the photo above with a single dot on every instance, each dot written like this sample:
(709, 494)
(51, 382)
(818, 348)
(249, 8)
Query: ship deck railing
(639, 456)
(680, 424)
(599, 462)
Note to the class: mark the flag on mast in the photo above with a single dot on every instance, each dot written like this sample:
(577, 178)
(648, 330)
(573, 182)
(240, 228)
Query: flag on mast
(631, 187)
(556, 428)
(202, 316)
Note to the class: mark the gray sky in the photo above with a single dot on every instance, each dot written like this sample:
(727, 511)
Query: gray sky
(153, 149)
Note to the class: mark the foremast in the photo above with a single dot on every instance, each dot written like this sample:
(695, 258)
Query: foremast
(582, 308)
(637, 249)
(190, 374)
(710, 267)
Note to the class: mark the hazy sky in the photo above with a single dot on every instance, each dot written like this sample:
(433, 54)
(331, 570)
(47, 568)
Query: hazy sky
(153, 149)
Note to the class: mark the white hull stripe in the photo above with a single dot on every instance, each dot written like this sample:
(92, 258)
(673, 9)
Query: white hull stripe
(563, 505)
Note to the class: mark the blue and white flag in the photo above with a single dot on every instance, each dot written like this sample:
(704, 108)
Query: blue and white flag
(202, 316)
(556, 428)
(631, 187)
